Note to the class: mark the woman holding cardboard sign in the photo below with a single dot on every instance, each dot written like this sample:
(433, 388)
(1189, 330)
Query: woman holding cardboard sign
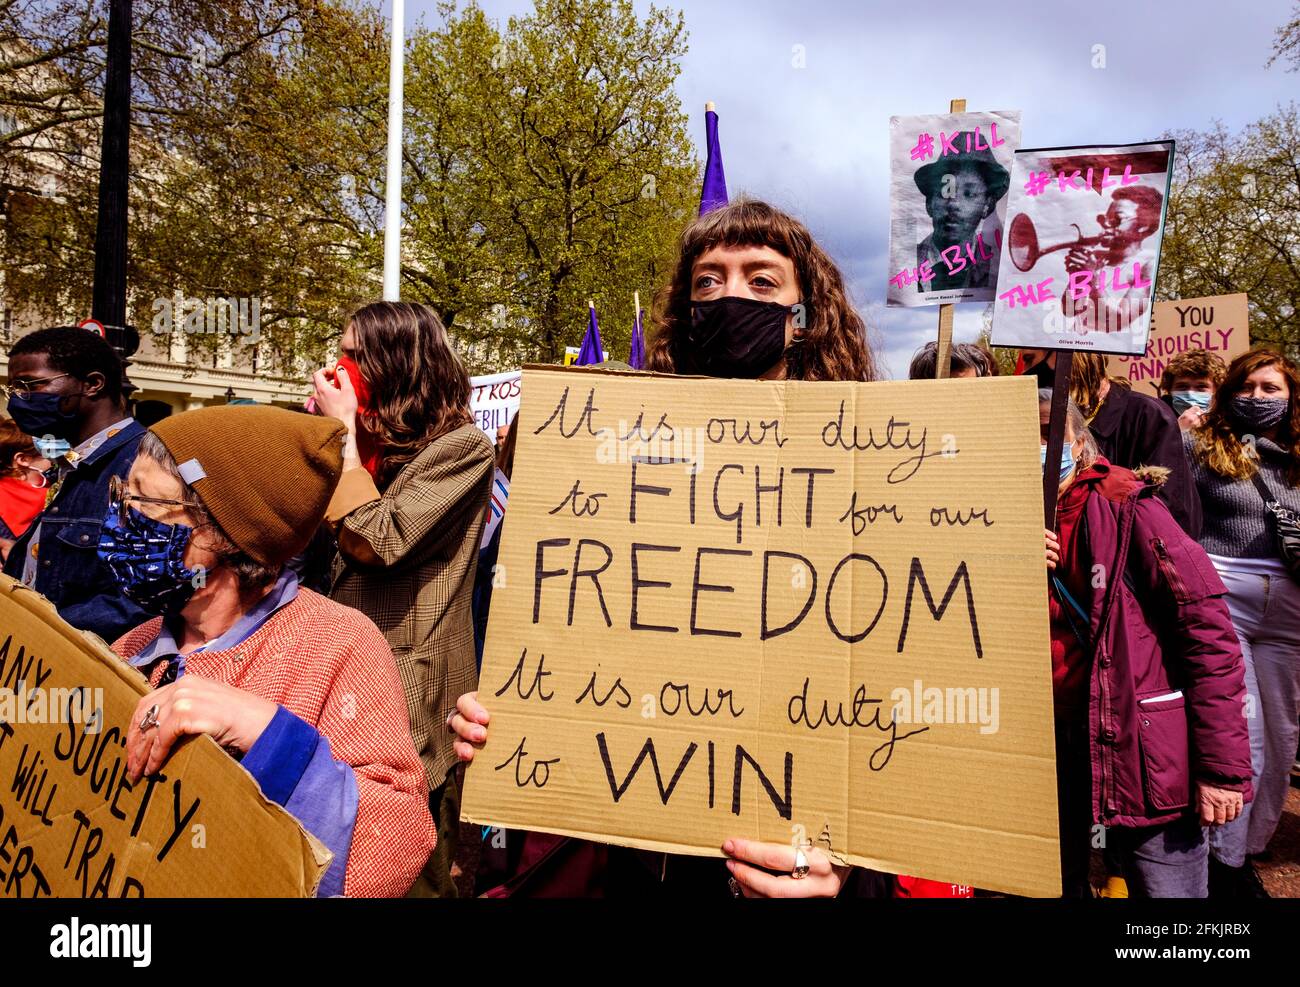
(303, 691)
(752, 296)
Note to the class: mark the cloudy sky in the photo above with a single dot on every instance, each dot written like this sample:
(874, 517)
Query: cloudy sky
(814, 139)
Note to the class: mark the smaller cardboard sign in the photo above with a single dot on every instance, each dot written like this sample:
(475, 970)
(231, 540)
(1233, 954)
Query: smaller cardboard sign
(73, 826)
(571, 354)
(1219, 324)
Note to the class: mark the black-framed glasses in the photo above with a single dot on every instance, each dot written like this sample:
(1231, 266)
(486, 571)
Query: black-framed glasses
(119, 496)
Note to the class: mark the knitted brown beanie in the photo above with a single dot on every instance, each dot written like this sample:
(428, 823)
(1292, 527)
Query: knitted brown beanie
(265, 474)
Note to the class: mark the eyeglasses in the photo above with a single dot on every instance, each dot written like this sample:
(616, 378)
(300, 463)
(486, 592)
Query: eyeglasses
(24, 388)
(120, 497)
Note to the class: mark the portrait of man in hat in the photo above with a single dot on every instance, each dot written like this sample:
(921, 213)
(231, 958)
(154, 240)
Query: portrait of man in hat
(958, 207)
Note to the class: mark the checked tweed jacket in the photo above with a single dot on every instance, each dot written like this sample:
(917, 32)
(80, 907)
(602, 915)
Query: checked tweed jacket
(407, 559)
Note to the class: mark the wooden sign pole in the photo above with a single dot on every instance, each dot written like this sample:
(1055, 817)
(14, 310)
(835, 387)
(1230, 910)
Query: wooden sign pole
(943, 358)
(1056, 434)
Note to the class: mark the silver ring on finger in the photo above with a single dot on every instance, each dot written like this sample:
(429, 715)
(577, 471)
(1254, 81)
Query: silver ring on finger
(734, 886)
(801, 865)
(150, 718)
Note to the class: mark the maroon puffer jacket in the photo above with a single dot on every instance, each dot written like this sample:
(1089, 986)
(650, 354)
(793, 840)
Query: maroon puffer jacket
(1160, 629)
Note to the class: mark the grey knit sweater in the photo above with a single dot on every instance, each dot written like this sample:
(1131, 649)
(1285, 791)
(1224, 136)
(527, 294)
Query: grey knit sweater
(1235, 525)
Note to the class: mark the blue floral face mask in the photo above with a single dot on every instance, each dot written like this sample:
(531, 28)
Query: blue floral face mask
(145, 557)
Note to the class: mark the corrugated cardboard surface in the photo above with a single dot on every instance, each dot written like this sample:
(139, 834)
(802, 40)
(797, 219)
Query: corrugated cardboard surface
(73, 827)
(1220, 324)
(954, 802)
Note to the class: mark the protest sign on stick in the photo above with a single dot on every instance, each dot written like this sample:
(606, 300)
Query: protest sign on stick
(781, 611)
(72, 824)
(1082, 247)
(1056, 435)
(949, 175)
(1220, 325)
(943, 350)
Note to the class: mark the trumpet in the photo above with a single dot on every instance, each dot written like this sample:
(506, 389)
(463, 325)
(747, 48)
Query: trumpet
(1022, 243)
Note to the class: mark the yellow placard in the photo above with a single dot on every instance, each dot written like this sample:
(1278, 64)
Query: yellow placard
(777, 610)
(72, 825)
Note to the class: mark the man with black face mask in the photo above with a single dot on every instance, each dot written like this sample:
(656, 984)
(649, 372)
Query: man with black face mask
(66, 383)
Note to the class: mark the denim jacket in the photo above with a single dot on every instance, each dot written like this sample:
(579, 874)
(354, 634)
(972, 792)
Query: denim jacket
(69, 572)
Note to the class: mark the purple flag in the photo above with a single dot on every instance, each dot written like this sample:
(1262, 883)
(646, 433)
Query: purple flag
(592, 351)
(714, 193)
(636, 360)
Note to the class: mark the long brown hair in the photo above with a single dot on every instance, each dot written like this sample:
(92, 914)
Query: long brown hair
(1086, 376)
(835, 338)
(419, 391)
(1217, 444)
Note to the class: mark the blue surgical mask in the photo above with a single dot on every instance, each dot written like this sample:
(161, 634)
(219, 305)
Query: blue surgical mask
(1067, 459)
(51, 448)
(1183, 400)
(39, 413)
(146, 558)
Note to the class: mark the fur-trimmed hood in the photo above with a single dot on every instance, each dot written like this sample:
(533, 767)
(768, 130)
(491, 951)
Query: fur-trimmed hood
(1156, 476)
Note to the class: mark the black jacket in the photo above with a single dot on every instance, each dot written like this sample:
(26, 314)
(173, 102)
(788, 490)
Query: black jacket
(1133, 430)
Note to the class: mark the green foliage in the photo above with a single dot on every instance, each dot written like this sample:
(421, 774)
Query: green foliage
(546, 162)
(550, 165)
(1234, 222)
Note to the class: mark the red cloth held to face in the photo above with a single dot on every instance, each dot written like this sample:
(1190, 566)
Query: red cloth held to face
(368, 448)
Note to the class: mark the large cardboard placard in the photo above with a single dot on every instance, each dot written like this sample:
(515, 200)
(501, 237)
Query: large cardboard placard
(1219, 324)
(1081, 249)
(776, 610)
(71, 825)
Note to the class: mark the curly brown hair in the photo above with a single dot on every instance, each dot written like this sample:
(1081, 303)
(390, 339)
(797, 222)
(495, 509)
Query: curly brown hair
(419, 388)
(1193, 363)
(1217, 444)
(834, 344)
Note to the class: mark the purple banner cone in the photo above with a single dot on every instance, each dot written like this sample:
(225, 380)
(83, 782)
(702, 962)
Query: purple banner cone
(592, 351)
(714, 193)
(636, 360)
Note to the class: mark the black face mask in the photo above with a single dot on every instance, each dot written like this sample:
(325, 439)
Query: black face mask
(738, 338)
